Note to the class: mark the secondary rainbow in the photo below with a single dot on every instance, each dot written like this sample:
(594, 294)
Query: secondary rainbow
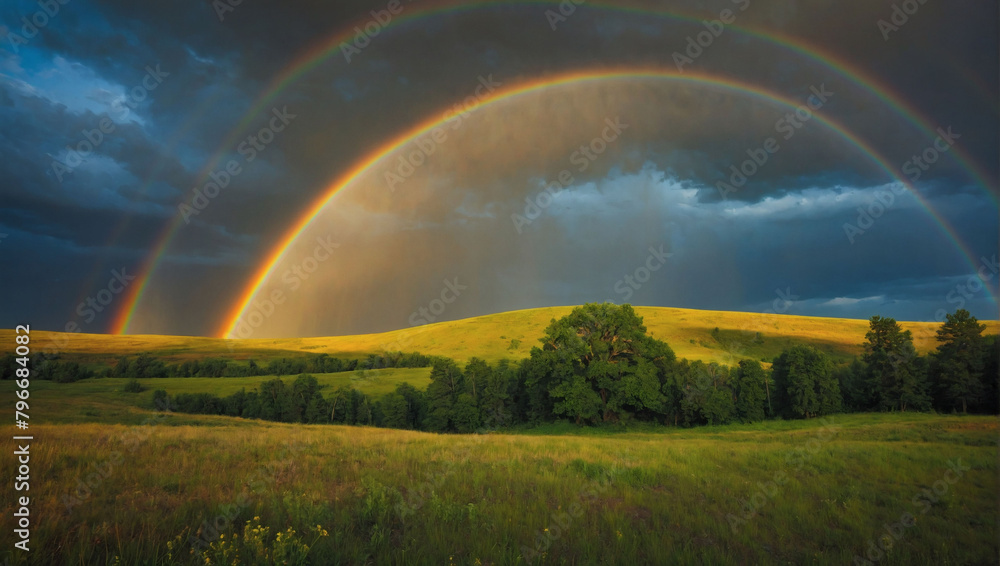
(331, 47)
(234, 315)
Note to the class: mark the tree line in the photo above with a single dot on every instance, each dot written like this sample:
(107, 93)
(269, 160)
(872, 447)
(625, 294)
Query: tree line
(145, 366)
(598, 365)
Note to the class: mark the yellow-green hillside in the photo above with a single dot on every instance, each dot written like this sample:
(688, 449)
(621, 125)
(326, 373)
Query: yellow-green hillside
(512, 334)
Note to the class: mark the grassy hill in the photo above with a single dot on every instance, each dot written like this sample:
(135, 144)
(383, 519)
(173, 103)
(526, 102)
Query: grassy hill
(511, 335)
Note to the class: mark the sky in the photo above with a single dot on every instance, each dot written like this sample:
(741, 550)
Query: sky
(160, 161)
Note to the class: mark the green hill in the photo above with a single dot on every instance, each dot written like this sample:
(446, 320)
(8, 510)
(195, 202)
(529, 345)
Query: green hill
(691, 333)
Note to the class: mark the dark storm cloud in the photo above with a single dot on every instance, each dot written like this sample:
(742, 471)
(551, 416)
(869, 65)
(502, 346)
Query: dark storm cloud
(112, 209)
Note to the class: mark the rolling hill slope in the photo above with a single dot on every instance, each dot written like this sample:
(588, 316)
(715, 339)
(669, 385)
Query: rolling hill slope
(691, 333)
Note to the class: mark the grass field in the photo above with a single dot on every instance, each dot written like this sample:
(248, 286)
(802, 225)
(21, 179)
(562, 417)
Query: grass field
(669, 496)
(114, 482)
(689, 332)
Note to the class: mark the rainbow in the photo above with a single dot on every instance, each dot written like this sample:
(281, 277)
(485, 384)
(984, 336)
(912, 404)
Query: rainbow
(331, 48)
(233, 317)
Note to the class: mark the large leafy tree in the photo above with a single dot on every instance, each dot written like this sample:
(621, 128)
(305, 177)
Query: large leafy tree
(394, 411)
(749, 389)
(991, 369)
(856, 387)
(447, 383)
(805, 383)
(959, 361)
(706, 396)
(598, 363)
(894, 370)
(496, 396)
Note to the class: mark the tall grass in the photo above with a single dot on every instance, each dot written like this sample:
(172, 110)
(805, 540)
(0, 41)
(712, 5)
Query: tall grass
(396, 497)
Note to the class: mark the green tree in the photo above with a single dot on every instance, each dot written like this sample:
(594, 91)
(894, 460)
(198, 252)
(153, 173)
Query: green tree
(856, 386)
(749, 390)
(318, 410)
(497, 394)
(446, 385)
(304, 389)
(959, 361)
(338, 404)
(601, 350)
(416, 405)
(894, 372)
(477, 372)
(395, 411)
(804, 383)
(991, 383)
(706, 395)
(465, 414)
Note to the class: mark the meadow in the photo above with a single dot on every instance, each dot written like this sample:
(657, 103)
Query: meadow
(116, 481)
(802, 492)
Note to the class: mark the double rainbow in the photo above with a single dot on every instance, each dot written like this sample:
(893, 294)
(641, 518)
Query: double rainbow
(332, 48)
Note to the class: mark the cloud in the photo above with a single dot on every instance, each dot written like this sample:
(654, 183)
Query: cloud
(657, 185)
(846, 301)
